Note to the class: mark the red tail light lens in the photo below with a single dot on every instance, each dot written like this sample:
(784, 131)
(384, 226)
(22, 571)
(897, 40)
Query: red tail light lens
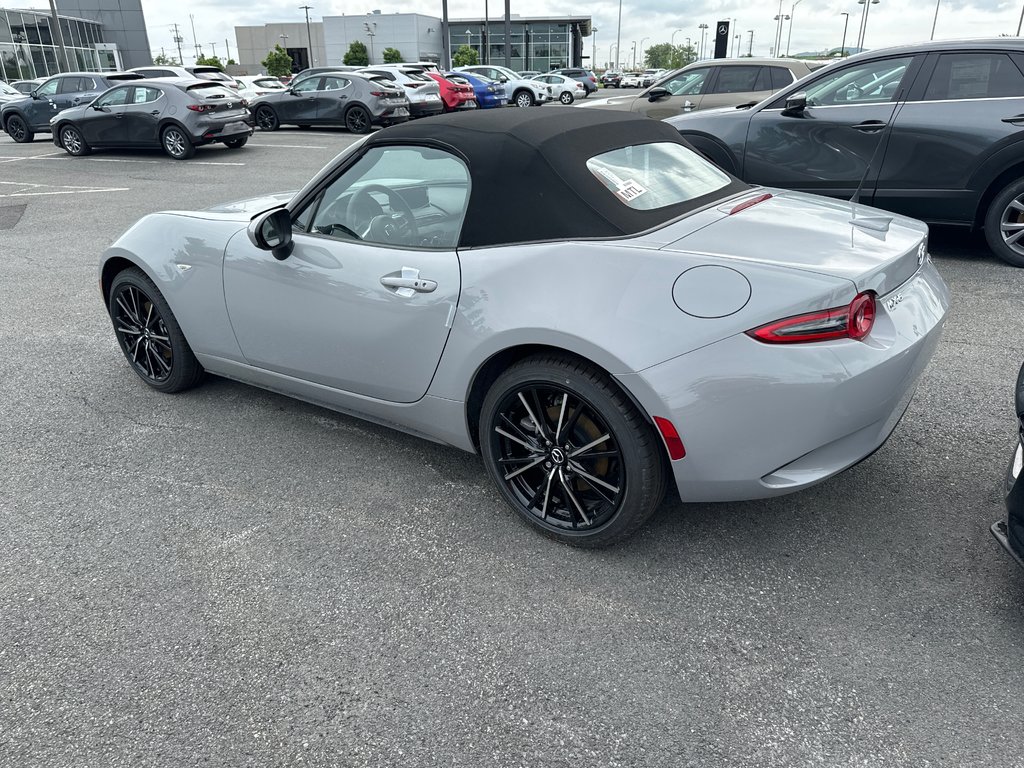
(850, 322)
(202, 107)
(376, 93)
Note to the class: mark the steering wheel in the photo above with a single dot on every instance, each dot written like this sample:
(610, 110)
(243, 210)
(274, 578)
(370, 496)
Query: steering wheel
(397, 227)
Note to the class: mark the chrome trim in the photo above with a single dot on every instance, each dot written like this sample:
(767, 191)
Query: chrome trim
(1018, 461)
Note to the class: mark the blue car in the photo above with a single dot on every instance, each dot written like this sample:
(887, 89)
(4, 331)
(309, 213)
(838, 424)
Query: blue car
(489, 93)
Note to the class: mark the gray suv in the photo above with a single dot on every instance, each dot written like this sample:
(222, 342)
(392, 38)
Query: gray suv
(932, 131)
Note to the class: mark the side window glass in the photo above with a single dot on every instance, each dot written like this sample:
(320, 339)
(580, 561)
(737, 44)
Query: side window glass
(688, 83)
(334, 84)
(736, 79)
(870, 82)
(309, 84)
(423, 210)
(764, 80)
(145, 95)
(49, 88)
(781, 77)
(974, 76)
(70, 85)
(114, 98)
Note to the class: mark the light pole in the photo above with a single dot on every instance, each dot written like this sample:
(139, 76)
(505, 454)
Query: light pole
(618, 35)
(778, 47)
(750, 48)
(192, 19)
(736, 40)
(791, 12)
(309, 36)
(284, 40)
(778, 30)
(612, 59)
(842, 48)
(593, 54)
(864, 20)
(214, 47)
(936, 19)
(703, 31)
(634, 54)
(1021, 22)
(642, 62)
(673, 43)
(371, 30)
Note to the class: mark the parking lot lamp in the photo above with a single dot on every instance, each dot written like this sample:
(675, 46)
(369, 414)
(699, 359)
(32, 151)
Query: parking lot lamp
(750, 48)
(792, 10)
(634, 55)
(673, 43)
(309, 36)
(703, 32)
(842, 48)
(864, 20)
(618, 35)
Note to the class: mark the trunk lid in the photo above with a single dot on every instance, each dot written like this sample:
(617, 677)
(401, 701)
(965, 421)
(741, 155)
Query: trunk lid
(874, 249)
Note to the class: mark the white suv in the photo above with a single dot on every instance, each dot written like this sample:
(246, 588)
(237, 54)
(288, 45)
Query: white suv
(200, 72)
(424, 93)
(522, 92)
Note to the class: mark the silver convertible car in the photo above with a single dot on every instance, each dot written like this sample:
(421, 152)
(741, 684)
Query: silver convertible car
(658, 320)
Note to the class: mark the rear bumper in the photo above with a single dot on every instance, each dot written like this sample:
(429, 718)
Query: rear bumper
(426, 108)
(217, 131)
(762, 420)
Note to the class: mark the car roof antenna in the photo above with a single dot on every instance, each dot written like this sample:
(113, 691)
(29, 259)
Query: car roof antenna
(874, 223)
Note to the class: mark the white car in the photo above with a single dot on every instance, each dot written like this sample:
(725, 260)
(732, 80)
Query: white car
(251, 86)
(632, 80)
(201, 71)
(563, 88)
(522, 92)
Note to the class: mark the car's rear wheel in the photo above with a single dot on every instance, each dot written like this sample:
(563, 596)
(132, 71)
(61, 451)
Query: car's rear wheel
(73, 142)
(524, 99)
(149, 335)
(177, 143)
(1004, 224)
(357, 120)
(266, 119)
(18, 129)
(236, 143)
(566, 98)
(569, 452)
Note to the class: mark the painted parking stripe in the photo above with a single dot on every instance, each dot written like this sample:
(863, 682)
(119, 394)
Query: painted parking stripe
(288, 146)
(27, 189)
(156, 162)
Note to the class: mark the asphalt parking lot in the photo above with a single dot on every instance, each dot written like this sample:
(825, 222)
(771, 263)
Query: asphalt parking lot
(231, 578)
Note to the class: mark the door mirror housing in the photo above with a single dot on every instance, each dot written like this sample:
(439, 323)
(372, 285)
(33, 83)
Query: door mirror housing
(272, 231)
(657, 93)
(100, 108)
(795, 104)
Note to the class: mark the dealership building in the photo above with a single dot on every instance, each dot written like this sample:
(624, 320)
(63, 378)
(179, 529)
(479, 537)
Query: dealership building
(537, 43)
(98, 35)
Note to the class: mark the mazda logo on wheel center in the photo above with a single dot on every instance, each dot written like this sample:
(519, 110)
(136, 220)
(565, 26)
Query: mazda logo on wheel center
(558, 455)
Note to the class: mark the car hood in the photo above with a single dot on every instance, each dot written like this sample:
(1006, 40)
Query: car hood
(614, 102)
(688, 119)
(253, 205)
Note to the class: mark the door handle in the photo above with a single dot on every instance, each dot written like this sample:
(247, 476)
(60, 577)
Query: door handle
(1015, 120)
(869, 126)
(119, 116)
(408, 282)
(687, 106)
(155, 112)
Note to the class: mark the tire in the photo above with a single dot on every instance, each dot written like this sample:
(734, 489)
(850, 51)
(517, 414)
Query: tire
(357, 120)
(523, 99)
(1004, 224)
(566, 98)
(177, 143)
(550, 473)
(586, 93)
(266, 119)
(18, 129)
(236, 143)
(73, 142)
(149, 335)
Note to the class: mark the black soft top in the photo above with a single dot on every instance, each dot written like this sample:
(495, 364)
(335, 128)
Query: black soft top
(529, 176)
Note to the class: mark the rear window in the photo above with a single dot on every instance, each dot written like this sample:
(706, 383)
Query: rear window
(269, 82)
(211, 91)
(650, 176)
(212, 74)
(975, 76)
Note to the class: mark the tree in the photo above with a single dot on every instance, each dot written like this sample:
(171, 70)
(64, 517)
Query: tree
(278, 62)
(668, 56)
(356, 56)
(232, 63)
(164, 61)
(392, 56)
(210, 61)
(464, 57)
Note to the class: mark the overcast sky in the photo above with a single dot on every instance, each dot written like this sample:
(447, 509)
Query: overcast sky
(817, 23)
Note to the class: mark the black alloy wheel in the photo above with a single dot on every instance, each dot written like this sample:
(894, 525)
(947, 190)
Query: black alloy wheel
(236, 143)
(266, 119)
(177, 143)
(566, 98)
(73, 142)
(149, 335)
(570, 452)
(357, 120)
(18, 130)
(1004, 224)
(524, 99)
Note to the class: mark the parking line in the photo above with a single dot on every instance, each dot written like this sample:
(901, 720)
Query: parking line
(156, 162)
(288, 146)
(58, 189)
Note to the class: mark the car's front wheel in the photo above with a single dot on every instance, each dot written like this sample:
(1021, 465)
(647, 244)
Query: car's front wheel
(566, 98)
(18, 129)
(1004, 224)
(266, 119)
(524, 99)
(73, 142)
(177, 143)
(149, 335)
(569, 452)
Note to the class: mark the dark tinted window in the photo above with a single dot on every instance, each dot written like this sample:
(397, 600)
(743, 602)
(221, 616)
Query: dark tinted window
(974, 76)
(114, 98)
(736, 79)
(764, 80)
(49, 88)
(76, 84)
(781, 77)
(334, 84)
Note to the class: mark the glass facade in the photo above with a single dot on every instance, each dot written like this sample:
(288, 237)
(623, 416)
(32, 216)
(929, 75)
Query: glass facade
(536, 45)
(29, 46)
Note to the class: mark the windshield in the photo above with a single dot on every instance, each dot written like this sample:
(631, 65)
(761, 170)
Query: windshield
(650, 176)
(5, 88)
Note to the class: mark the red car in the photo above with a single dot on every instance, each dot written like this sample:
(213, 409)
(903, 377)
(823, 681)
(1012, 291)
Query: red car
(454, 95)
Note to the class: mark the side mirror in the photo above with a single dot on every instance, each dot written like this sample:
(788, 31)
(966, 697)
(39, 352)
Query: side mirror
(503, 79)
(795, 104)
(35, 95)
(99, 108)
(272, 231)
(657, 93)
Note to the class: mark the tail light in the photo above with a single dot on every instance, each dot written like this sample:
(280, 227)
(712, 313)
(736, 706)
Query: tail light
(414, 85)
(377, 93)
(202, 107)
(850, 322)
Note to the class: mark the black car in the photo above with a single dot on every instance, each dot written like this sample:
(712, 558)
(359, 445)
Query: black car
(23, 118)
(933, 131)
(611, 79)
(1010, 532)
(177, 115)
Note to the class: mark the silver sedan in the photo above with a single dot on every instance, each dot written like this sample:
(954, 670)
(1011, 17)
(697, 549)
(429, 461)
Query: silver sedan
(664, 324)
(563, 88)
